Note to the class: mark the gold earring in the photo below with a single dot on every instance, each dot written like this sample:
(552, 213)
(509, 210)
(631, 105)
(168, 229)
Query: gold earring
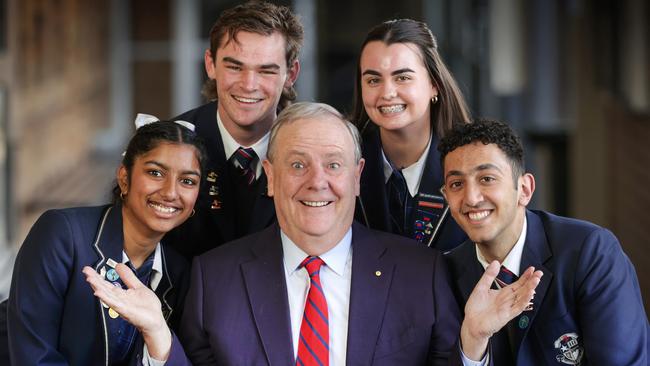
(434, 100)
(193, 212)
(122, 195)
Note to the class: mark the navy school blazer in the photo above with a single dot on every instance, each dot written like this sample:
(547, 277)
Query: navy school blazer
(53, 316)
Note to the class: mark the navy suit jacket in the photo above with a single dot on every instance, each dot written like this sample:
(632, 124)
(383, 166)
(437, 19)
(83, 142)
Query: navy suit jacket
(372, 205)
(53, 316)
(214, 221)
(589, 293)
(237, 311)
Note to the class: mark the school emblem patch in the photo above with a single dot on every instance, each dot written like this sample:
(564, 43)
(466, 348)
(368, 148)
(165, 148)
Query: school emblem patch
(571, 351)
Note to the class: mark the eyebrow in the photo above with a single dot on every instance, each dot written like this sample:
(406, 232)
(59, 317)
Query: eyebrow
(271, 66)
(396, 72)
(487, 166)
(165, 167)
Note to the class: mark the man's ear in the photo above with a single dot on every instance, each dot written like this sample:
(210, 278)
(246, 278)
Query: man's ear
(268, 170)
(209, 64)
(292, 74)
(526, 188)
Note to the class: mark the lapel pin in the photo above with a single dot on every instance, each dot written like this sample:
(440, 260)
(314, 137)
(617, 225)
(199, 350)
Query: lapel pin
(378, 273)
(112, 313)
(112, 275)
(102, 272)
(523, 322)
(216, 205)
(212, 177)
(111, 263)
(214, 191)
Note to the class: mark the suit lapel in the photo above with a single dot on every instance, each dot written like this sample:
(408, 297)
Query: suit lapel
(372, 273)
(263, 209)
(536, 253)
(373, 199)
(267, 290)
(471, 270)
(217, 191)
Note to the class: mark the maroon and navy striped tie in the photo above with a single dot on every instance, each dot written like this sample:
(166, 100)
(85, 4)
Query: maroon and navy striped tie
(505, 277)
(313, 346)
(244, 158)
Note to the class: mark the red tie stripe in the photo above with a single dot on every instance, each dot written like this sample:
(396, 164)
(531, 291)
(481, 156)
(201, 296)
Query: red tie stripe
(313, 346)
(244, 158)
(505, 277)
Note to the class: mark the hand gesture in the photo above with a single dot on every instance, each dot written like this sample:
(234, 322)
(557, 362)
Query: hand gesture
(488, 310)
(138, 305)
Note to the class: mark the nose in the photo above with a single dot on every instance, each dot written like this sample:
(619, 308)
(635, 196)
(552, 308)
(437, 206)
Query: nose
(249, 80)
(169, 190)
(317, 179)
(389, 90)
(473, 195)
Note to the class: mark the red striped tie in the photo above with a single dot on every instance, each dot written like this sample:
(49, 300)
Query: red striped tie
(313, 347)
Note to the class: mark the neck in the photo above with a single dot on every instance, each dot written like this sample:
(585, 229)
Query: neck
(404, 147)
(315, 246)
(137, 244)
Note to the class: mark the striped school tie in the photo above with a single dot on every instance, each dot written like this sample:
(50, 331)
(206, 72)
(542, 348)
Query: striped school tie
(313, 347)
(243, 159)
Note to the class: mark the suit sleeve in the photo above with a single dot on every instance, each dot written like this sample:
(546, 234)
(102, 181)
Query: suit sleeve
(39, 284)
(193, 340)
(444, 348)
(612, 318)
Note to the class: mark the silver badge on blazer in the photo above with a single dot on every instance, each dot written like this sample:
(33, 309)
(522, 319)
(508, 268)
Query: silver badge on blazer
(571, 351)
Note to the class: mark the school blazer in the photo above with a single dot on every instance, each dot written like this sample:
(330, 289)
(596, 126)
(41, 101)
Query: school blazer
(53, 316)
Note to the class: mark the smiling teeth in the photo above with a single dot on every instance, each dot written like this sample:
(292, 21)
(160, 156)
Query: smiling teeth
(392, 108)
(163, 209)
(247, 100)
(315, 203)
(478, 215)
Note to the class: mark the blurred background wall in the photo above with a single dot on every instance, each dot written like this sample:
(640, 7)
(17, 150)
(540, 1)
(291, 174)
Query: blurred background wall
(571, 76)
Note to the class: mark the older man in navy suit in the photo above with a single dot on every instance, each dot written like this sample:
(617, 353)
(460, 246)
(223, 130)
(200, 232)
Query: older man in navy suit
(588, 308)
(316, 289)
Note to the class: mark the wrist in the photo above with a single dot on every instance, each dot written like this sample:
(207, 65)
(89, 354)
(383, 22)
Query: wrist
(473, 344)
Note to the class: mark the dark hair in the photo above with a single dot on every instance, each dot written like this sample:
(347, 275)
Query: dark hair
(262, 18)
(487, 132)
(150, 136)
(451, 107)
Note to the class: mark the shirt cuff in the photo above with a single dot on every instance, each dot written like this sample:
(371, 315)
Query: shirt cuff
(466, 361)
(147, 360)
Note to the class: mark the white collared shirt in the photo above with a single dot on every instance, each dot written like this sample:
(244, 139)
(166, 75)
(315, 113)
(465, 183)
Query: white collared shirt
(156, 269)
(412, 173)
(335, 277)
(513, 260)
(230, 146)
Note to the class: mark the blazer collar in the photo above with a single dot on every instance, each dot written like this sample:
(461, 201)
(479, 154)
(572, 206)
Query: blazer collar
(372, 273)
(267, 291)
(109, 239)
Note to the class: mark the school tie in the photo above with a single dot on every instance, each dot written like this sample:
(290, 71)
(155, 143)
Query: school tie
(503, 342)
(397, 191)
(505, 277)
(313, 347)
(243, 159)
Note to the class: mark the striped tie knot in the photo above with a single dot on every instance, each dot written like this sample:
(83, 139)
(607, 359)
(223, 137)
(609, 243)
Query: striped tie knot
(505, 277)
(243, 159)
(313, 346)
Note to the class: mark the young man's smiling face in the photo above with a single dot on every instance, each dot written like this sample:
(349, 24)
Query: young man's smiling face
(484, 197)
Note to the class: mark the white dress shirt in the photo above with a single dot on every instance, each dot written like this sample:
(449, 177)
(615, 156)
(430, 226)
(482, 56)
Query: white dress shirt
(230, 146)
(335, 277)
(412, 173)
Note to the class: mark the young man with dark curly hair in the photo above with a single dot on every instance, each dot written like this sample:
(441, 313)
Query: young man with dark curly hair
(587, 308)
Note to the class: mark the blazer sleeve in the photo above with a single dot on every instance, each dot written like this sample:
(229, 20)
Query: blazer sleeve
(612, 318)
(40, 279)
(194, 339)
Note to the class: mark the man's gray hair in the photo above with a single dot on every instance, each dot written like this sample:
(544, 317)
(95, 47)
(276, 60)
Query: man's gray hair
(310, 110)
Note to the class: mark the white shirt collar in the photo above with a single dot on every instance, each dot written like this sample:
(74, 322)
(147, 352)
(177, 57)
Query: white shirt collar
(412, 174)
(513, 259)
(230, 145)
(334, 258)
(157, 269)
